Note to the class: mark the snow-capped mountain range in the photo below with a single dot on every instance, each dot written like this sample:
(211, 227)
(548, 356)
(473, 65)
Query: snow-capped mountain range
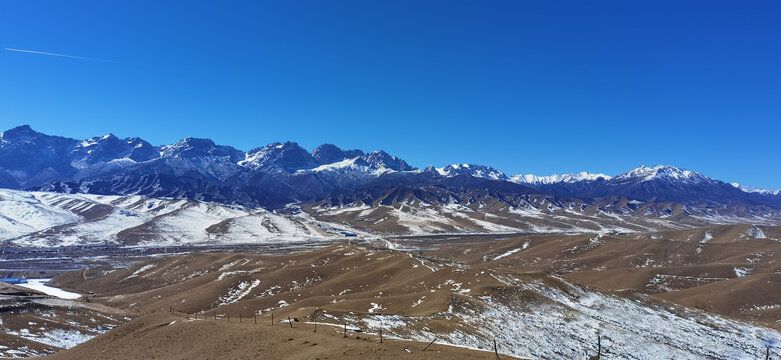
(479, 171)
(553, 179)
(280, 174)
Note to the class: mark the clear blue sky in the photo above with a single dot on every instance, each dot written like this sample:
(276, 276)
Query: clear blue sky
(528, 87)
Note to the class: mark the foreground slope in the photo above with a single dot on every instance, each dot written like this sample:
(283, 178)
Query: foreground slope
(409, 296)
(174, 336)
(32, 323)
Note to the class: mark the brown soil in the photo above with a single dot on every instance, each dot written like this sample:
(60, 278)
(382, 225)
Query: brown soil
(675, 266)
(170, 336)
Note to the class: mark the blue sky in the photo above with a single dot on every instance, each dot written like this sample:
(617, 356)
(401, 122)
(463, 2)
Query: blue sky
(528, 87)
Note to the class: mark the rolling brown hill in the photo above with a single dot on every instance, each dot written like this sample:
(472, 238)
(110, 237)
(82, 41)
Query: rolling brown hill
(468, 295)
(171, 336)
(732, 270)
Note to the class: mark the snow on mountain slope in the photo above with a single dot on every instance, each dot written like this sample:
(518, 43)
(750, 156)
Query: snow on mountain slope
(354, 165)
(355, 171)
(22, 213)
(202, 156)
(287, 157)
(479, 171)
(662, 172)
(53, 219)
(415, 211)
(750, 189)
(347, 163)
(330, 153)
(56, 219)
(552, 179)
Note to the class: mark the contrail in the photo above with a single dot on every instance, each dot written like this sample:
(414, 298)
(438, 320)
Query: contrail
(53, 54)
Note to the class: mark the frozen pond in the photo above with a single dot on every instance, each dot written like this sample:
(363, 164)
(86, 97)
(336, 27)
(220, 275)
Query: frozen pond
(40, 285)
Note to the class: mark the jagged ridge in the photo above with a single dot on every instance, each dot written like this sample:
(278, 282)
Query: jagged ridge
(279, 174)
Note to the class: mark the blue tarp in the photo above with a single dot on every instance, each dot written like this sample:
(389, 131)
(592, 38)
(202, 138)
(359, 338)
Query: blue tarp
(14, 280)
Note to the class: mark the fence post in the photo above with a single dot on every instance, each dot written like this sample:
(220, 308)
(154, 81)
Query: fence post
(272, 319)
(496, 350)
(290, 322)
(599, 345)
(345, 330)
(429, 344)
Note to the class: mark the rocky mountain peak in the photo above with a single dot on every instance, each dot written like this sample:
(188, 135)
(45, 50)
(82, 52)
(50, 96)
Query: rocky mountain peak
(382, 160)
(19, 132)
(190, 148)
(288, 157)
(661, 172)
(329, 153)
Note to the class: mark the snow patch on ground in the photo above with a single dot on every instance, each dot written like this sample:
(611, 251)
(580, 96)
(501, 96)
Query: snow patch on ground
(508, 253)
(756, 233)
(375, 307)
(140, 271)
(418, 302)
(513, 251)
(423, 262)
(741, 271)
(228, 274)
(40, 285)
(242, 290)
(60, 338)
